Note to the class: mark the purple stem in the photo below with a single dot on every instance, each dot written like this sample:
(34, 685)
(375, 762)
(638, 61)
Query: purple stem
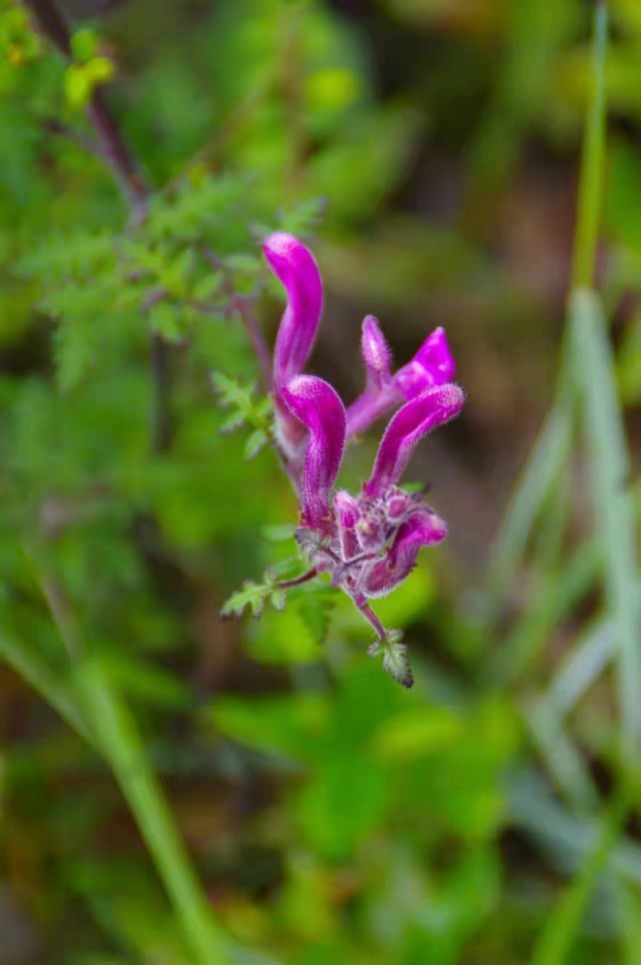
(298, 580)
(117, 157)
(371, 617)
(239, 305)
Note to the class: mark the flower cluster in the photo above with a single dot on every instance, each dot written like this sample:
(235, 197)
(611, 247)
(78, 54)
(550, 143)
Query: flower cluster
(367, 543)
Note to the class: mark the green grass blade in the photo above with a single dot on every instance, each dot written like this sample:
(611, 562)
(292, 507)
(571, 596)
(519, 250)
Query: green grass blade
(120, 740)
(559, 592)
(552, 448)
(545, 462)
(591, 181)
(563, 760)
(614, 509)
(48, 684)
(588, 658)
(562, 926)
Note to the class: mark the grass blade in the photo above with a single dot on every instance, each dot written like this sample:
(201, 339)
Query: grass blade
(44, 681)
(564, 762)
(610, 471)
(591, 180)
(558, 935)
(583, 666)
(120, 740)
(550, 452)
(552, 448)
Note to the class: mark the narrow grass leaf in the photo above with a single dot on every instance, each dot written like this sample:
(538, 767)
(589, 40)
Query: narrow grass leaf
(610, 475)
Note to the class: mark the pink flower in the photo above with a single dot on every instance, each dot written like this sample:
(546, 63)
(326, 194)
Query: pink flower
(369, 542)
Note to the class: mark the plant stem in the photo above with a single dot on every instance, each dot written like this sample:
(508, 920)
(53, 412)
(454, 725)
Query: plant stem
(32, 668)
(114, 151)
(120, 741)
(239, 305)
(556, 940)
(113, 731)
(551, 451)
(613, 503)
(298, 580)
(591, 178)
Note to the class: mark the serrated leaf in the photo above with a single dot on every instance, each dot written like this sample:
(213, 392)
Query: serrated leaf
(74, 349)
(165, 321)
(315, 604)
(395, 660)
(255, 443)
(251, 595)
(246, 410)
(278, 599)
(304, 217)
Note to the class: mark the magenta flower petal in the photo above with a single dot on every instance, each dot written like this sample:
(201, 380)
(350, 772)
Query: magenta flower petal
(294, 265)
(317, 405)
(421, 529)
(377, 355)
(432, 365)
(435, 355)
(406, 428)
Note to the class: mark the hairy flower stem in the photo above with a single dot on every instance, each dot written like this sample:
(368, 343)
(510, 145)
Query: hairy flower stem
(118, 158)
(297, 581)
(371, 617)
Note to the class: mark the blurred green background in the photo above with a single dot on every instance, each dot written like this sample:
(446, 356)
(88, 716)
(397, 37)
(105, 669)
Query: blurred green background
(428, 151)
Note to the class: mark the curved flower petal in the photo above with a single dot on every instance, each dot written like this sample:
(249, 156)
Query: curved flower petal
(317, 405)
(294, 265)
(377, 355)
(432, 365)
(421, 529)
(406, 428)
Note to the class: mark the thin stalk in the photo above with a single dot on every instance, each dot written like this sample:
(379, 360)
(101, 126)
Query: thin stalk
(240, 306)
(298, 580)
(120, 741)
(32, 668)
(113, 731)
(551, 451)
(113, 150)
(613, 504)
(560, 930)
(592, 174)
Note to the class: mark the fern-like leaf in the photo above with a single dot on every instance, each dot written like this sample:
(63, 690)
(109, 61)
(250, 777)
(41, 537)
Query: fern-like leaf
(395, 660)
(245, 409)
(254, 596)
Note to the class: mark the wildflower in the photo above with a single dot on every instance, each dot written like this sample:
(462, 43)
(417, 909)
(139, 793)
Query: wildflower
(367, 543)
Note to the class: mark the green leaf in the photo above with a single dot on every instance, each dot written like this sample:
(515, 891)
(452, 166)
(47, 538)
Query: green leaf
(164, 319)
(255, 443)
(613, 504)
(395, 660)
(315, 603)
(253, 596)
(246, 409)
